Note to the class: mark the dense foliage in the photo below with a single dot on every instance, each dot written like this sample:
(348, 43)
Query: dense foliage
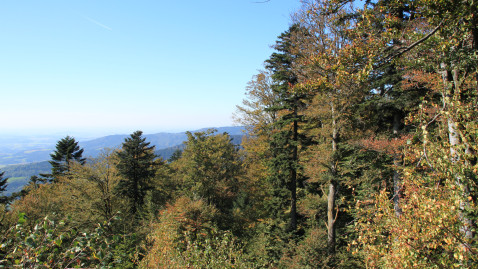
(361, 152)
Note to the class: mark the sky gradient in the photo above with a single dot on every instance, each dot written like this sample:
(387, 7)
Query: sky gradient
(118, 66)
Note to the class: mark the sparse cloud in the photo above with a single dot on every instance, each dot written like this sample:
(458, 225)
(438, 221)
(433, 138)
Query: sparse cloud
(98, 23)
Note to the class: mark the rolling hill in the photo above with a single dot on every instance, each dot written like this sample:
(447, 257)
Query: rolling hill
(19, 174)
(159, 140)
(34, 162)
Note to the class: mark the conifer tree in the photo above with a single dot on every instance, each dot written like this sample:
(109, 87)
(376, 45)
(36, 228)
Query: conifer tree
(67, 151)
(136, 166)
(286, 140)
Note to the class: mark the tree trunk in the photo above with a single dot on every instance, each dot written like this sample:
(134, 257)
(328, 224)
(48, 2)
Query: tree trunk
(454, 140)
(331, 197)
(331, 218)
(397, 162)
(451, 78)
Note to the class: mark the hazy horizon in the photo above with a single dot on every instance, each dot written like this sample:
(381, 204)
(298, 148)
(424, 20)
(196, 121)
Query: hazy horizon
(85, 134)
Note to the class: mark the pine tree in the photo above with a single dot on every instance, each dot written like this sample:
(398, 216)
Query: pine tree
(136, 166)
(67, 151)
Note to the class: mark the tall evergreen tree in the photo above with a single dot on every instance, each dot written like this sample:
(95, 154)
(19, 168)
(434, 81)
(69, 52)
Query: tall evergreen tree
(67, 151)
(286, 141)
(136, 166)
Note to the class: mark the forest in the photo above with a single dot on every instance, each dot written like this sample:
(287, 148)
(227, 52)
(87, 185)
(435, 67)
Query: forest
(361, 152)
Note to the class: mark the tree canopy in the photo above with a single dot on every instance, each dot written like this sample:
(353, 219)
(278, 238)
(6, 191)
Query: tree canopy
(66, 152)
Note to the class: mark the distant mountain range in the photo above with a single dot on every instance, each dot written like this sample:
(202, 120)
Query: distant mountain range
(31, 160)
(28, 150)
(159, 140)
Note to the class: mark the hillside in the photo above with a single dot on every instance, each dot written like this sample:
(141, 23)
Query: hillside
(19, 174)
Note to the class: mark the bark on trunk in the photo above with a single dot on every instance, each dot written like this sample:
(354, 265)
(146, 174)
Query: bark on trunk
(331, 197)
(454, 140)
(451, 78)
(331, 218)
(397, 162)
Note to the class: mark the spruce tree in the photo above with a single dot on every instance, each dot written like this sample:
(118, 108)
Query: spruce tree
(136, 166)
(67, 151)
(286, 140)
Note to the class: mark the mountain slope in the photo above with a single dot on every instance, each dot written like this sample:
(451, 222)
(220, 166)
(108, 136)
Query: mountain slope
(159, 140)
(19, 174)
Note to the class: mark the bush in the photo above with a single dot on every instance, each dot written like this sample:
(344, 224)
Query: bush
(50, 244)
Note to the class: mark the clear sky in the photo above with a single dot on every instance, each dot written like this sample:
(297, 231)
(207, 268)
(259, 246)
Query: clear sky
(111, 66)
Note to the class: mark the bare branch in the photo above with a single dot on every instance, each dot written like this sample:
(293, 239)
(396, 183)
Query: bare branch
(403, 50)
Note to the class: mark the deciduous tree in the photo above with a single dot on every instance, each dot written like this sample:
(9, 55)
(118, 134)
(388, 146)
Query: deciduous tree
(209, 169)
(329, 71)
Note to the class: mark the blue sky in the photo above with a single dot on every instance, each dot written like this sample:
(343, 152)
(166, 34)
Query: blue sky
(118, 66)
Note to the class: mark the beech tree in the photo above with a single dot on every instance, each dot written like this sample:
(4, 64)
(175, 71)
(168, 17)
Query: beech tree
(260, 119)
(256, 112)
(329, 73)
(209, 169)
(88, 193)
